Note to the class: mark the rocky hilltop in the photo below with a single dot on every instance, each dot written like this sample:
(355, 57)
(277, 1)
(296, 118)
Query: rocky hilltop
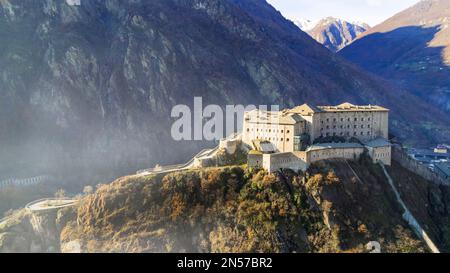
(336, 206)
(413, 49)
(88, 89)
(335, 34)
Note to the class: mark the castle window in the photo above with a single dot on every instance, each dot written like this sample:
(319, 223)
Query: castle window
(362, 119)
(368, 126)
(248, 129)
(356, 126)
(288, 131)
(356, 119)
(362, 126)
(287, 139)
(368, 119)
(368, 133)
(342, 119)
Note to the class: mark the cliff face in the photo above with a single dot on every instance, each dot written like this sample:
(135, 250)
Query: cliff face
(335, 207)
(335, 34)
(32, 232)
(89, 89)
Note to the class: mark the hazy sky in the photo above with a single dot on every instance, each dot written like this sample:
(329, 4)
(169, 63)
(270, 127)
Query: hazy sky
(372, 12)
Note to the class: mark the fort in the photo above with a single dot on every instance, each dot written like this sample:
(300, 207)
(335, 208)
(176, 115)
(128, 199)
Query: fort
(295, 138)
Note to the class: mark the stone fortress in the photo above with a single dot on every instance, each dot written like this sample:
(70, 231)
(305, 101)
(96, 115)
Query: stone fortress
(295, 138)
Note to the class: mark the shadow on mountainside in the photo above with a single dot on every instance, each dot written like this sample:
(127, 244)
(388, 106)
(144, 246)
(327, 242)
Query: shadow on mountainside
(405, 57)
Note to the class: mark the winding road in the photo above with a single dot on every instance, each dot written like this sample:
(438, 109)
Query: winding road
(206, 153)
(50, 204)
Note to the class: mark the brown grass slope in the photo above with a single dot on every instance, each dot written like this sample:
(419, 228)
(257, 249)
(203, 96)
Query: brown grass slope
(329, 209)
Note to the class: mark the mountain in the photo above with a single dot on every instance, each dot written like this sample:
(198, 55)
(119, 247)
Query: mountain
(412, 49)
(231, 209)
(86, 91)
(335, 33)
(304, 24)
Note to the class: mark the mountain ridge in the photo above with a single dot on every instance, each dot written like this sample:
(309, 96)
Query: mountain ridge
(411, 48)
(335, 33)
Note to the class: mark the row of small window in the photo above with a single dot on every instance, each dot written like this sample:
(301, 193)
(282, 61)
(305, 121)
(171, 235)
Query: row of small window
(347, 134)
(382, 155)
(342, 119)
(332, 154)
(274, 139)
(348, 126)
(282, 161)
(268, 130)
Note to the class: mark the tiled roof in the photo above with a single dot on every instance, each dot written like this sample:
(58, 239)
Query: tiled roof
(305, 110)
(348, 107)
(274, 117)
(379, 142)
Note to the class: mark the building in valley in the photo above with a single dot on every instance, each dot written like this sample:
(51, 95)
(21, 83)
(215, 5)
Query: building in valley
(295, 138)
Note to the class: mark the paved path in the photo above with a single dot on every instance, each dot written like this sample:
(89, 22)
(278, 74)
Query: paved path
(50, 204)
(206, 153)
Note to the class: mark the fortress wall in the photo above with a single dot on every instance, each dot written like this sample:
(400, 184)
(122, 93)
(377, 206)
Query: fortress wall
(333, 153)
(274, 162)
(381, 154)
(408, 217)
(399, 155)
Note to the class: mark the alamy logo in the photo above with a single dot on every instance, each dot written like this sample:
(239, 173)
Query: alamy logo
(211, 122)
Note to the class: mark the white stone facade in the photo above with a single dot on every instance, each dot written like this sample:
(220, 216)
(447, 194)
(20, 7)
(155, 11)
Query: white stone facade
(291, 130)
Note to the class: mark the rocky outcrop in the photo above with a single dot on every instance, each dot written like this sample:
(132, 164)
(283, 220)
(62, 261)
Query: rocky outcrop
(33, 232)
(335, 34)
(331, 208)
(336, 206)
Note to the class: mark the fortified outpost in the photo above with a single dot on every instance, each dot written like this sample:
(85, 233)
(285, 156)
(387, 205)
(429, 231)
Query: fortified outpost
(295, 138)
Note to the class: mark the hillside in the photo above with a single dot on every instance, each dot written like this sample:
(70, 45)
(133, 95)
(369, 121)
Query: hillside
(335, 34)
(87, 90)
(413, 49)
(334, 207)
